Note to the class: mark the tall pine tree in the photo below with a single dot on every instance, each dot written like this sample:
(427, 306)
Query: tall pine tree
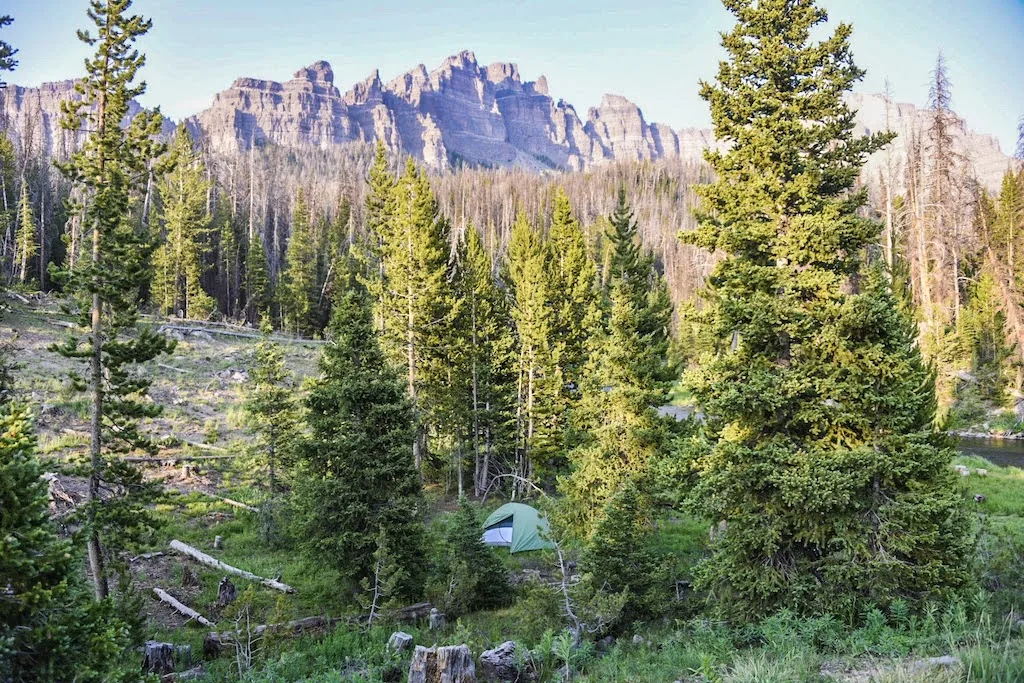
(49, 627)
(26, 243)
(573, 288)
(485, 331)
(274, 418)
(357, 478)
(818, 449)
(538, 442)
(178, 262)
(416, 304)
(299, 292)
(630, 375)
(107, 171)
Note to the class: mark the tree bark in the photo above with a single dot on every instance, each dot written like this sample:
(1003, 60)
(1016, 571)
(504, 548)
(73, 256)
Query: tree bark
(95, 547)
(181, 608)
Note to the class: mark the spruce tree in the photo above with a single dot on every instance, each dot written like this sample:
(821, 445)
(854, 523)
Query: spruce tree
(619, 556)
(273, 418)
(573, 289)
(258, 290)
(178, 262)
(630, 375)
(417, 305)
(25, 241)
(819, 450)
(467, 575)
(378, 218)
(485, 359)
(35, 565)
(356, 473)
(299, 293)
(383, 587)
(107, 171)
(49, 627)
(538, 442)
(1009, 226)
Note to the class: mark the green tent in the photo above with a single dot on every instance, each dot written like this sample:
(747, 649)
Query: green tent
(517, 527)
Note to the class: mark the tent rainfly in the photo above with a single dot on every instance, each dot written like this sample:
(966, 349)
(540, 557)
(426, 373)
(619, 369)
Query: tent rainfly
(517, 527)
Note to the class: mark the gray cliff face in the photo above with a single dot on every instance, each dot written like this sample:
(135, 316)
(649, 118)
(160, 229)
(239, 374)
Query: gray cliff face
(980, 153)
(461, 112)
(465, 112)
(33, 115)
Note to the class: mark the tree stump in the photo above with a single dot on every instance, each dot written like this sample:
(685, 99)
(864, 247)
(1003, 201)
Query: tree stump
(218, 543)
(450, 664)
(159, 658)
(226, 592)
(188, 576)
(436, 621)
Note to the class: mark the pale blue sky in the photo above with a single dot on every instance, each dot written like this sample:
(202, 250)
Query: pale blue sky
(651, 51)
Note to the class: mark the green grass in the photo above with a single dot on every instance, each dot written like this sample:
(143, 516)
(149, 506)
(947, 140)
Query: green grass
(1003, 487)
(680, 395)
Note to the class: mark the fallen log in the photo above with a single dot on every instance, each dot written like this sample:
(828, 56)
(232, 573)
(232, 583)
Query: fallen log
(171, 367)
(174, 458)
(181, 607)
(215, 642)
(14, 295)
(146, 556)
(203, 558)
(234, 503)
(244, 335)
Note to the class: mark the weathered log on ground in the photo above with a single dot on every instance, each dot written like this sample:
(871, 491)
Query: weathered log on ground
(203, 558)
(142, 459)
(181, 608)
(215, 642)
(449, 664)
(243, 335)
(234, 503)
(146, 556)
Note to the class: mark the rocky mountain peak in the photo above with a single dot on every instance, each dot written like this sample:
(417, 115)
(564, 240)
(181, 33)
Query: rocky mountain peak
(501, 72)
(462, 113)
(465, 60)
(369, 89)
(317, 72)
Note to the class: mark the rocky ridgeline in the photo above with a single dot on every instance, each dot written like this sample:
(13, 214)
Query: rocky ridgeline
(463, 112)
(33, 115)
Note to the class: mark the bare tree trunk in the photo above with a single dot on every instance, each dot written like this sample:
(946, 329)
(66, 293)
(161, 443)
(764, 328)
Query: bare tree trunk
(96, 560)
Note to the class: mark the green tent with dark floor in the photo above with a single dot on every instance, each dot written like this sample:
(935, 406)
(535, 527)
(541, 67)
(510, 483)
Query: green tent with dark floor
(518, 527)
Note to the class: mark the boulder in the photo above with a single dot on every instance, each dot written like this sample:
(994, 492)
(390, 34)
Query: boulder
(449, 664)
(400, 641)
(502, 665)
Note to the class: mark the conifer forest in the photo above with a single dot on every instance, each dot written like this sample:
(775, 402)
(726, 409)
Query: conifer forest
(741, 407)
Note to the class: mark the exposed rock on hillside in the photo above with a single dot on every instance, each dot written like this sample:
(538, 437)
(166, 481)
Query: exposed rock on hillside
(465, 112)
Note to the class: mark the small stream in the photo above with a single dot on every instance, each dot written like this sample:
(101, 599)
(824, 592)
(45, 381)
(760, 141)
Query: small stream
(1004, 452)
